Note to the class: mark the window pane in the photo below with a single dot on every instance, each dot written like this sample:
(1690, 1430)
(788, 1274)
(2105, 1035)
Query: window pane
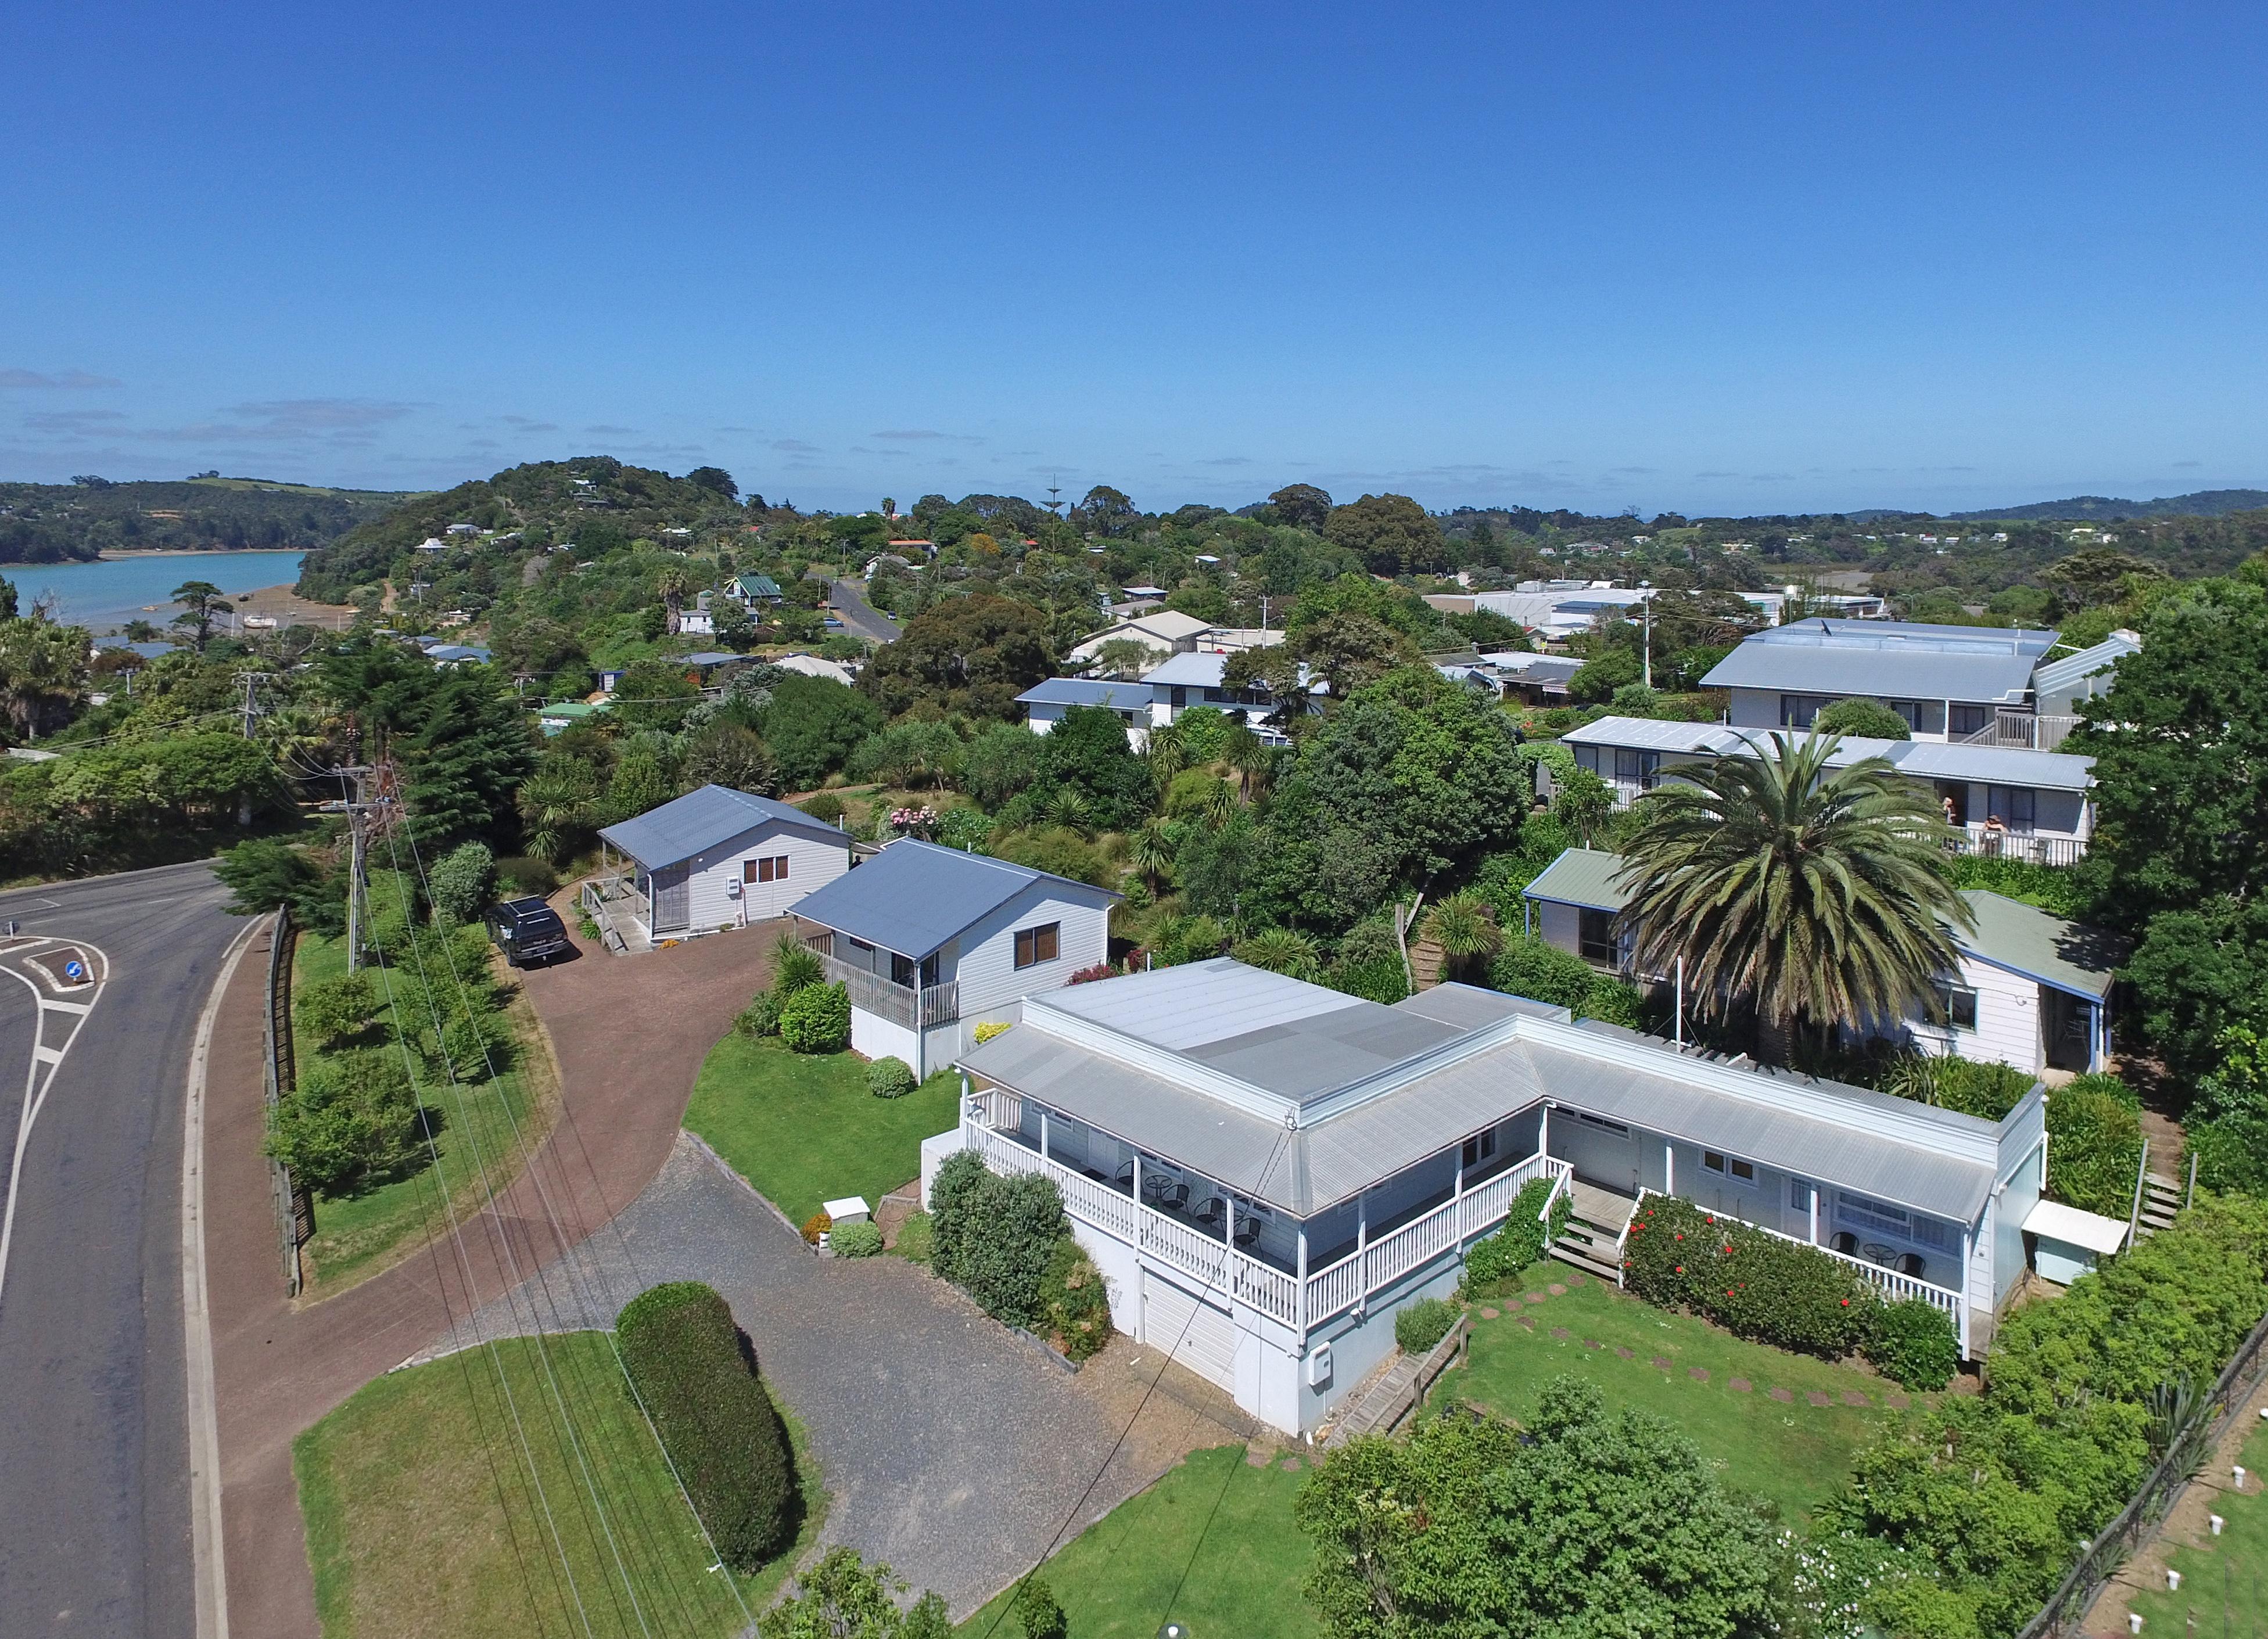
(1745, 1170)
(779, 869)
(1043, 943)
(1024, 947)
(1711, 1159)
(748, 870)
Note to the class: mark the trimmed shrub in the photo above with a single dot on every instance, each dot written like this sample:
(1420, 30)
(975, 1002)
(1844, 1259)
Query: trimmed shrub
(1543, 973)
(1754, 1284)
(1867, 719)
(1611, 1001)
(760, 1018)
(915, 1238)
(1418, 1326)
(990, 1028)
(855, 1240)
(2095, 1144)
(817, 1019)
(697, 1378)
(1521, 1242)
(826, 807)
(817, 1224)
(1038, 1612)
(353, 1120)
(1980, 1087)
(461, 882)
(1380, 978)
(1075, 1302)
(1913, 1343)
(995, 1237)
(332, 1010)
(890, 1078)
(523, 875)
(953, 1196)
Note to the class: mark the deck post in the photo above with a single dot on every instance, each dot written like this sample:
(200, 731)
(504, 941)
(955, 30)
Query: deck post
(1668, 1168)
(1361, 1247)
(1300, 1292)
(1228, 1230)
(1043, 1132)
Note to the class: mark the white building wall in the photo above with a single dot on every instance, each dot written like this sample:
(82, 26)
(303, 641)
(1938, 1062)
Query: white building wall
(2007, 1021)
(880, 1038)
(985, 961)
(812, 862)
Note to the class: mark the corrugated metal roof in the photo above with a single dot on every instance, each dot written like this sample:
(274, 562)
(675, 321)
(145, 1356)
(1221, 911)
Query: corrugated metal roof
(1649, 734)
(706, 818)
(1199, 670)
(2066, 679)
(914, 896)
(1890, 660)
(1933, 760)
(1581, 875)
(2091, 1230)
(2066, 956)
(1081, 691)
(1468, 1007)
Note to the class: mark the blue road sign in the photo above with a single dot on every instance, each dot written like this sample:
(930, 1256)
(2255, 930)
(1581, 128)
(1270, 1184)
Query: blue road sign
(74, 969)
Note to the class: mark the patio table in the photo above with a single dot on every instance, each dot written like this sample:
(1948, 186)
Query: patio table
(1878, 1253)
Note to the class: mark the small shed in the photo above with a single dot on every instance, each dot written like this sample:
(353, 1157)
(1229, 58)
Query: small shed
(717, 858)
(2067, 1243)
(1574, 902)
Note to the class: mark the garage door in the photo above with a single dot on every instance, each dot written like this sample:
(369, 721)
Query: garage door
(1202, 1337)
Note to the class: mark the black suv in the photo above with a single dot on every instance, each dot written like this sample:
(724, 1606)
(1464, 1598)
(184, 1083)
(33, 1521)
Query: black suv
(526, 930)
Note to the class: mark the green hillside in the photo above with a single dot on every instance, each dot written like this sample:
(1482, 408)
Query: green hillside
(594, 503)
(56, 523)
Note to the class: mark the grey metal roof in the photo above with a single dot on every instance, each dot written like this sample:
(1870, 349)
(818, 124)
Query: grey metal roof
(1081, 691)
(1304, 1169)
(1649, 734)
(1581, 875)
(2075, 676)
(914, 896)
(1887, 659)
(707, 818)
(1932, 760)
(1468, 1007)
(2066, 956)
(1198, 670)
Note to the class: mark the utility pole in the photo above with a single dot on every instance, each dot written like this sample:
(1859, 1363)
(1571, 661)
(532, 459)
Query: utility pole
(250, 708)
(1647, 607)
(357, 809)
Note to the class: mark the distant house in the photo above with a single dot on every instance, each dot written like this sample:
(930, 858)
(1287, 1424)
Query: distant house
(432, 543)
(716, 859)
(1559, 609)
(1978, 685)
(1200, 680)
(450, 655)
(462, 529)
(933, 942)
(1574, 903)
(696, 623)
(1165, 632)
(2008, 801)
(755, 589)
(1045, 703)
(562, 714)
(1536, 678)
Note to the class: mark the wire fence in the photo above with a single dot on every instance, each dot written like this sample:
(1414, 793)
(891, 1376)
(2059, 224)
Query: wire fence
(2186, 1454)
(295, 1205)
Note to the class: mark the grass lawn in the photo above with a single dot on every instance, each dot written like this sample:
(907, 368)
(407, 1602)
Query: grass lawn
(803, 1129)
(420, 1518)
(1213, 1543)
(358, 1235)
(2225, 1581)
(1795, 1451)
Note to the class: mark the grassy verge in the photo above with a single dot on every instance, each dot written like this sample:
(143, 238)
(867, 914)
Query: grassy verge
(2224, 1579)
(1793, 1450)
(421, 1519)
(804, 1129)
(358, 1235)
(1213, 1543)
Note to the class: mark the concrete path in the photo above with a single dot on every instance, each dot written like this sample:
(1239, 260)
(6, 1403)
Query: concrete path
(630, 1033)
(955, 1451)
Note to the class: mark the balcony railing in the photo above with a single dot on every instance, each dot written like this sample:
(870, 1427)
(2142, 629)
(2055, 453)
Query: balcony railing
(1984, 842)
(2033, 731)
(901, 1004)
(1894, 1285)
(1366, 1271)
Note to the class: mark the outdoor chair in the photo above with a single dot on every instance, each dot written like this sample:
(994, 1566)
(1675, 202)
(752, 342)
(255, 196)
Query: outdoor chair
(1844, 1242)
(1912, 1264)
(1209, 1211)
(1248, 1234)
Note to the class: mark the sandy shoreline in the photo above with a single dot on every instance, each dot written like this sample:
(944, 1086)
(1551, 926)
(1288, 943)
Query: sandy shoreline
(183, 552)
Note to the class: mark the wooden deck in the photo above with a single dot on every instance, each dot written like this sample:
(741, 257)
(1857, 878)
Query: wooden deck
(1609, 1210)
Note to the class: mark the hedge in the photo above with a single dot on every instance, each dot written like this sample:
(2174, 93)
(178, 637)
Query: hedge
(817, 1019)
(1418, 1326)
(1522, 1241)
(1006, 1243)
(1757, 1285)
(698, 1381)
(890, 1078)
(855, 1240)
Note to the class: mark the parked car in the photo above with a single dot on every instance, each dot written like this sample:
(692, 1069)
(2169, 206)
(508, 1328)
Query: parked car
(526, 930)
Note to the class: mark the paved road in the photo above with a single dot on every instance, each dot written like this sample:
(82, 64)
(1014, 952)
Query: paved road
(860, 618)
(94, 1502)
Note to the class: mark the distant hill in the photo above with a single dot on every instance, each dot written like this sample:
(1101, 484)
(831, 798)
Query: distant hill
(56, 523)
(594, 502)
(2105, 508)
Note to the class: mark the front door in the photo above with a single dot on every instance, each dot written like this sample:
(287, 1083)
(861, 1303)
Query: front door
(673, 899)
(1601, 1152)
(2068, 1024)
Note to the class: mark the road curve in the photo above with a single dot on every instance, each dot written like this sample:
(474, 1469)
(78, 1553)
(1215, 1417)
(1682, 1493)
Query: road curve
(859, 617)
(94, 1508)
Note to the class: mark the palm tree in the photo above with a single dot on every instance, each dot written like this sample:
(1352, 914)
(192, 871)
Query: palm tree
(1811, 898)
(1168, 752)
(1067, 808)
(557, 803)
(671, 583)
(1464, 926)
(1152, 853)
(1281, 950)
(1253, 758)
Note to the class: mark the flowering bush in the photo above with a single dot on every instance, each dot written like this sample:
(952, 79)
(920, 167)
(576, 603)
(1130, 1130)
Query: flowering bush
(990, 1028)
(1757, 1285)
(921, 819)
(1088, 975)
(817, 1224)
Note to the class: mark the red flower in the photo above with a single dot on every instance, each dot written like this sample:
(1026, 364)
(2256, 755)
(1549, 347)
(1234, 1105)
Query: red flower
(1847, 1302)
(1681, 1237)
(1681, 1268)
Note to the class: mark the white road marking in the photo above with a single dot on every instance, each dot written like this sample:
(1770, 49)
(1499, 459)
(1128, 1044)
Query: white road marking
(81, 1008)
(35, 1086)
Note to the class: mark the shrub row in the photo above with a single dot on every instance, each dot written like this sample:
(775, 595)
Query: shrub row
(1521, 1242)
(1004, 1241)
(1779, 1293)
(697, 1378)
(807, 1015)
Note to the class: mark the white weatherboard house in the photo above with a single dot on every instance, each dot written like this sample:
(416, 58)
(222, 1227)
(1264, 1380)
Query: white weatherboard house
(932, 942)
(719, 858)
(2032, 991)
(1045, 703)
(2008, 801)
(1265, 1171)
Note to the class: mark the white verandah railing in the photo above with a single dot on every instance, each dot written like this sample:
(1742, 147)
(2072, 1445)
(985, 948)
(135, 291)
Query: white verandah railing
(901, 1004)
(992, 1115)
(1892, 1284)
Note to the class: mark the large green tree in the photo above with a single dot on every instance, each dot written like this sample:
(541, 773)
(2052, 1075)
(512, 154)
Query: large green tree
(1303, 506)
(973, 654)
(466, 761)
(1087, 752)
(43, 674)
(1584, 1524)
(812, 725)
(1802, 896)
(1394, 534)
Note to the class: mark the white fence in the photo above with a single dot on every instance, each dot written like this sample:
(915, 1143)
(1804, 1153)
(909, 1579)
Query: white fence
(1369, 1268)
(870, 992)
(1892, 1284)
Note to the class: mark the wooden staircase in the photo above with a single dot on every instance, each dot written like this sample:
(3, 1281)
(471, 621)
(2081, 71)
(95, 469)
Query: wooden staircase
(2161, 1198)
(1594, 1227)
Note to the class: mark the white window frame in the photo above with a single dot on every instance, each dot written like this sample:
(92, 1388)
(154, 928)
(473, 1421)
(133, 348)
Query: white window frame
(1726, 1167)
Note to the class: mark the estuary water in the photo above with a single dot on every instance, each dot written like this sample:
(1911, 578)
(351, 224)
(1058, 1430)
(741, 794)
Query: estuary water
(111, 592)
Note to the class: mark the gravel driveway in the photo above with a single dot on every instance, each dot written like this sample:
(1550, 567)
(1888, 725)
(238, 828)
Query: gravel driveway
(954, 1449)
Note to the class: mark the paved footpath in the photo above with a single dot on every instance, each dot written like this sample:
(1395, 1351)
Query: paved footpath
(630, 1033)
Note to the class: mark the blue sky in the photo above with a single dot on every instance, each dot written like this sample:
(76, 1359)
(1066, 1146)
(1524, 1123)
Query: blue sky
(1731, 258)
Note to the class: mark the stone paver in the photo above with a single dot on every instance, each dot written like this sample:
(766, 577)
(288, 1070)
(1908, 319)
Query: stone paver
(1490, 1313)
(1290, 1464)
(1660, 1365)
(1819, 1397)
(1782, 1395)
(1852, 1397)
(1739, 1386)
(1593, 1342)
(1527, 1323)
(1555, 1290)
(1559, 1331)
(1895, 1401)
(1534, 1297)
(1699, 1374)
(1627, 1354)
